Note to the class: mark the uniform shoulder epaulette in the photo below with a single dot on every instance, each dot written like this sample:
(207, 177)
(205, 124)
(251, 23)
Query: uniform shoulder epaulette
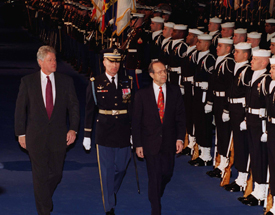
(130, 77)
(92, 79)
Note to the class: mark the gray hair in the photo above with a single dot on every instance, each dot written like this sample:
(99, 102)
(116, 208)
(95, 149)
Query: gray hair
(150, 68)
(43, 51)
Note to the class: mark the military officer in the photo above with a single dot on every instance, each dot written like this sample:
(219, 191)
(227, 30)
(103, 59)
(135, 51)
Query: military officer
(110, 92)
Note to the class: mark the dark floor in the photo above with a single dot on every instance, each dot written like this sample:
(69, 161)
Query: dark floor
(190, 192)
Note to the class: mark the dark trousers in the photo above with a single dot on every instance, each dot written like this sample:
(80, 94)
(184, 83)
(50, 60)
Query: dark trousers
(112, 164)
(240, 140)
(187, 98)
(202, 121)
(223, 128)
(258, 154)
(47, 169)
(271, 156)
(160, 170)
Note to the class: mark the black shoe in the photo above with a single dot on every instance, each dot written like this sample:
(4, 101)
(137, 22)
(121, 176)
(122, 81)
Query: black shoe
(200, 162)
(111, 212)
(233, 187)
(241, 199)
(186, 151)
(217, 173)
(269, 213)
(250, 200)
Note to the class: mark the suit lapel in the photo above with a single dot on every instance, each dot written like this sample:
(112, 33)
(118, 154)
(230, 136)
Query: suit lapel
(57, 93)
(38, 94)
(167, 103)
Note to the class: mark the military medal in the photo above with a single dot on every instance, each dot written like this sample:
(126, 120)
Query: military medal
(126, 94)
(139, 41)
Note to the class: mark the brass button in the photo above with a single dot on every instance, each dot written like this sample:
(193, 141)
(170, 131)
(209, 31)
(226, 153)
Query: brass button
(103, 97)
(97, 120)
(115, 97)
(115, 104)
(116, 117)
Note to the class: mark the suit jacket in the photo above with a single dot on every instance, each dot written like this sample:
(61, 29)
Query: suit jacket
(148, 131)
(31, 117)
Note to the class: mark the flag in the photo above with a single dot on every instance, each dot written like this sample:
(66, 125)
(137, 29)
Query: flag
(225, 3)
(108, 12)
(97, 11)
(236, 4)
(231, 3)
(123, 14)
(271, 7)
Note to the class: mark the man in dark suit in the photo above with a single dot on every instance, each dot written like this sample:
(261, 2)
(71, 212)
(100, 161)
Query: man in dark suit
(158, 128)
(43, 101)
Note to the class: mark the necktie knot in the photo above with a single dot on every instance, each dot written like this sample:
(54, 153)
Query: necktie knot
(113, 80)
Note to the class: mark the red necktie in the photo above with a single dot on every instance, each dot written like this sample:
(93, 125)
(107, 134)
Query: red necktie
(49, 97)
(161, 104)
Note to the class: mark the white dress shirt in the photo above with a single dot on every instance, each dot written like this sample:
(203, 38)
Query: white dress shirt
(110, 78)
(44, 82)
(156, 91)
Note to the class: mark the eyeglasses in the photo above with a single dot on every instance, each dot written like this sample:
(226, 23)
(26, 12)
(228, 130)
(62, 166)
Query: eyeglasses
(161, 71)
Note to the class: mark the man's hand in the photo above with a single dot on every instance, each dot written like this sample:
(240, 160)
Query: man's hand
(179, 146)
(87, 143)
(22, 141)
(71, 135)
(139, 151)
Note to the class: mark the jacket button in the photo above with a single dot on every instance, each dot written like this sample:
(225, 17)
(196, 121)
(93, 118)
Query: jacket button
(116, 117)
(115, 104)
(115, 97)
(160, 135)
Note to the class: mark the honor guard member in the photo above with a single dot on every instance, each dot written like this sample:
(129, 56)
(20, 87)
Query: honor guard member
(220, 83)
(239, 35)
(227, 29)
(176, 48)
(214, 31)
(269, 92)
(205, 62)
(167, 34)
(254, 38)
(186, 83)
(237, 104)
(256, 127)
(269, 33)
(157, 12)
(136, 45)
(156, 37)
(110, 93)
(272, 46)
(166, 15)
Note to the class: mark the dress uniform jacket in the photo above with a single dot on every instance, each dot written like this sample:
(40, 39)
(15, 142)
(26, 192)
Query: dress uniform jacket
(111, 130)
(218, 90)
(214, 44)
(164, 54)
(155, 46)
(264, 44)
(236, 97)
(202, 121)
(255, 115)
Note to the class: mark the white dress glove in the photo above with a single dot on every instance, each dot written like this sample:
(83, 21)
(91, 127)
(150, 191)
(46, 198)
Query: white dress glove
(87, 143)
(208, 108)
(264, 137)
(225, 117)
(243, 126)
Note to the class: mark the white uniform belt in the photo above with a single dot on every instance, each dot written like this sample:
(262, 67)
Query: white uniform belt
(271, 120)
(112, 112)
(188, 79)
(203, 85)
(219, 93)
(261, 112)
(237, 100)
(153, 60)
(132, 50)
(138, 71)
(175, 69)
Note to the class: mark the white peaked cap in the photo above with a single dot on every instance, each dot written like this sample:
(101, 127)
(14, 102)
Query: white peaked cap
(270, 21)
(205, 37)
(262, 53)
(157, 19)
(225, 40)
(169, 24)
(254, 35)
(215, 20)
(243, 46)
(240, 31)
(195, 31)
(228, 25)
(180, 27)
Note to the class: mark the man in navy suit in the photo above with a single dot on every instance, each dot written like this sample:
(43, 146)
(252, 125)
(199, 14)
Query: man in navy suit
(158, 128)
(43, 101)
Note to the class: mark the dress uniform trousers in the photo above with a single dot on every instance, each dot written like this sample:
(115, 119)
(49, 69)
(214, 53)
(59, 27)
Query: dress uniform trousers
(188, 98)
(112, 163)
(271, 156)
(202, 121)
(223, 128)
